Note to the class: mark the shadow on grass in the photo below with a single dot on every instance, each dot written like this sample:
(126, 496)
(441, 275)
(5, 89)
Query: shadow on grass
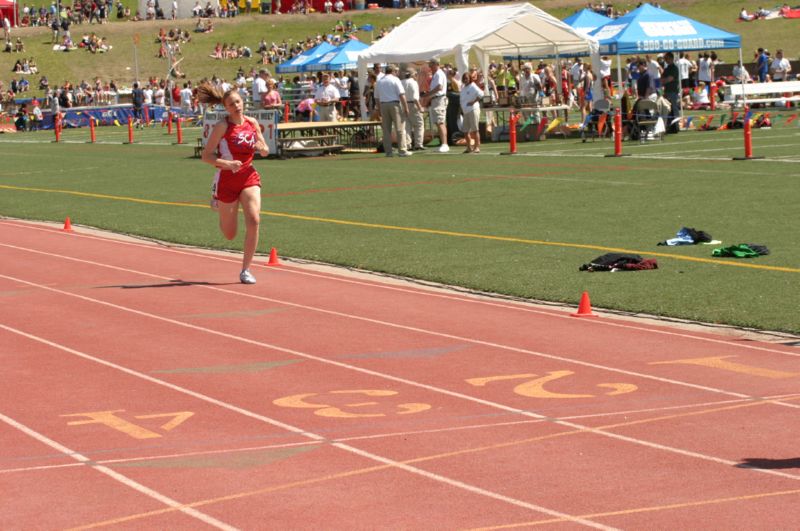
(769, 464)
(177, 283)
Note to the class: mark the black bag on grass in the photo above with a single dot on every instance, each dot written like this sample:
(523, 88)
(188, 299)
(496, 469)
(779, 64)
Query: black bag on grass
(610, 261)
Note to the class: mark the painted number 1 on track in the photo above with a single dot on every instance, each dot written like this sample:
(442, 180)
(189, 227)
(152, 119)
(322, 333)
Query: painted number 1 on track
(112, 420)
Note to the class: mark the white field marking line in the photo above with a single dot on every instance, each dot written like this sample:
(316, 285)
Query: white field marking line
(189, 511)
(348, 316)
(405, 381)
(387, 323)
(49, 171)
(161, 457)
(378, 285)
(478, 178)
(385, 435)
(718, 149)
(411, 383)
(637, 145)
(342, 446)
(135, 142)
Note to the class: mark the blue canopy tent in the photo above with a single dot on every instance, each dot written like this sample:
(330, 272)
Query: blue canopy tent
(586, 21)
(343, 57)
(296, 63)
(649, 29)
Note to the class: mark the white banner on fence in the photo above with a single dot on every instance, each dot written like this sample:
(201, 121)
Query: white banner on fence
(267, 119)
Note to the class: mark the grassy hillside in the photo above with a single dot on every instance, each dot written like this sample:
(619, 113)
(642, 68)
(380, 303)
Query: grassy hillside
(119, 64)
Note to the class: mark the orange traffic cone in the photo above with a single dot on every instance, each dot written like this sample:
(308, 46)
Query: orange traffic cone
(67, 225)
(273, 258)
(585, 307)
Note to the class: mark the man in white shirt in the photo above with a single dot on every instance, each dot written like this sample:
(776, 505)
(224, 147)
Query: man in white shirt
(158, 95)
(780, 67)
(654, 70)
(469, 99)
(326, 96)
(342, 84)
(148, 95)
(529, 84)
(415, 125)
(576, 72)
(437, 92)
(186, 98)
(391, 97)
(259, 86)
(684, 68)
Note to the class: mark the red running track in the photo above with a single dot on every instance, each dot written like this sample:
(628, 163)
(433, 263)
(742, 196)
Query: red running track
(143, 388)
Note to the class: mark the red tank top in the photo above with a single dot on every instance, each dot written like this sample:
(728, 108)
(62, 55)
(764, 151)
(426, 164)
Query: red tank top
(239, 143)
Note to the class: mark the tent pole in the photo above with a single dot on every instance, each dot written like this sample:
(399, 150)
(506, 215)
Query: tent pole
(619, 76)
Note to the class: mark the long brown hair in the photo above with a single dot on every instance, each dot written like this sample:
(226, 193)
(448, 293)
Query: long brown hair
(212, 94)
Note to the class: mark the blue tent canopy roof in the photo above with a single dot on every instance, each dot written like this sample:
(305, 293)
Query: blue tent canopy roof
(649, 29)
(296, 63)
(586, 20)
(343, 57)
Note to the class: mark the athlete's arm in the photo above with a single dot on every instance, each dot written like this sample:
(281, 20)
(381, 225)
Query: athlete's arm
(261, 144)
(210, 151)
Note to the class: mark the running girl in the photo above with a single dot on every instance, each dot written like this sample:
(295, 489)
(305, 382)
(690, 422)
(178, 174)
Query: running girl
(230, 149)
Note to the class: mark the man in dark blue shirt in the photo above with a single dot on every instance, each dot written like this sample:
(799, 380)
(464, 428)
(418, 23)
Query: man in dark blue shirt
(643, 83)
(763, 65)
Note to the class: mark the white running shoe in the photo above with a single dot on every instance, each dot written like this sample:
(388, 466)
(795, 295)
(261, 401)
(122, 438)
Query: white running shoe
(405, 153)
(444, 148)
(246, 277)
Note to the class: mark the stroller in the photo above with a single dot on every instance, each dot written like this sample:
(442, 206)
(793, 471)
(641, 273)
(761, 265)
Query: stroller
(645, 121)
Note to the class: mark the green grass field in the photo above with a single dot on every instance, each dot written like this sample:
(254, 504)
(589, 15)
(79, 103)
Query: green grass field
(518, 225)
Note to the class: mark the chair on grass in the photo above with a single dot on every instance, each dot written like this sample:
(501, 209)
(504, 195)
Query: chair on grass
(645, 120)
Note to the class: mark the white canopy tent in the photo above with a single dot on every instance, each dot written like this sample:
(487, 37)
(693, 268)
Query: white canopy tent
(516, 29)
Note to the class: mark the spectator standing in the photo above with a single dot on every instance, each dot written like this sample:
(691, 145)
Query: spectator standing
(705, 69)
(762, 64)
(271, 99)
(415, 125)
(672, 91)
(342, 84)
(186, 98)
(780, 67)
(137, 97)
(684, 68)
(259, 85)
(159, 94)
(391, 97)
(643, 84)
(55, 25)
(605, 73)
(470, 97)
(437, 93)
(326, 97)
(654, 70)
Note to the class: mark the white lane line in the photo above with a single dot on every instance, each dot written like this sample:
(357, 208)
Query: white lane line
(128, 482)
(368, 320)
(283, 425)
(523, 307)
(386, 435)
(377, 374)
